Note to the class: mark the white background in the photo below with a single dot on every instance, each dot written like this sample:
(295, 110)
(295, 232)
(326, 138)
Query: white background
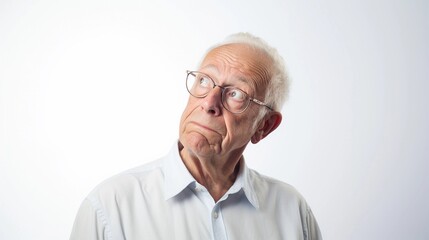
(91, 88)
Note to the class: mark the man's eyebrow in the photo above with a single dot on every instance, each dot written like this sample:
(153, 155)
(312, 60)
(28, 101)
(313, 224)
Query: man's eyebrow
(242, 79)
(217, 71)
(211, 67)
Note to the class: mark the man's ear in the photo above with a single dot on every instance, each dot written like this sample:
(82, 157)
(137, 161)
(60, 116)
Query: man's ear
(268, 124)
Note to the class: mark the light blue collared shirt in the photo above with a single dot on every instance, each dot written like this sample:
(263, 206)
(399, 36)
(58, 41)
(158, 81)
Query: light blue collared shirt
(161, 200)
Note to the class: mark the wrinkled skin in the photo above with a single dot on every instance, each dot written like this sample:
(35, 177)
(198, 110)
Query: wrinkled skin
(213, 138)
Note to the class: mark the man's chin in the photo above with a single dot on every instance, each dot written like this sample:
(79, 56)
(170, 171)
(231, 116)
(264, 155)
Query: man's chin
(199, 145)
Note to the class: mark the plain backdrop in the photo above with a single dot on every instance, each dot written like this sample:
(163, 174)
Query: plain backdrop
(90, 88)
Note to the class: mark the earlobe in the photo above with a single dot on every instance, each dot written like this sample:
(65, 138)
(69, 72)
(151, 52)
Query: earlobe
(267, 125)
(256, 137)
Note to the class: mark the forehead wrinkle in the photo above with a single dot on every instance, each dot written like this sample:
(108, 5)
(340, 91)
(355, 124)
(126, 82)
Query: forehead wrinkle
(254, 64)
(240, 78)
(255, 73)
(231, 81)
(210, 67)
(260, 76)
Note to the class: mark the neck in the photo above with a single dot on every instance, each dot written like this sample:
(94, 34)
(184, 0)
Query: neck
(217, 175)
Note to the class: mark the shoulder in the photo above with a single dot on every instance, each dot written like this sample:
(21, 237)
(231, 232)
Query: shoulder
(274, 191)
(139, 180)
(284, 201)
(109, 204)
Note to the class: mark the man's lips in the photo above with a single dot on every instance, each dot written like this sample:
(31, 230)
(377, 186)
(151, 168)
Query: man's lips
(203, 126)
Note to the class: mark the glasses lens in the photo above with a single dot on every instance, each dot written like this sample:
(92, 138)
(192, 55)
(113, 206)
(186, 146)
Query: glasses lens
(198, 84)
(235, 100)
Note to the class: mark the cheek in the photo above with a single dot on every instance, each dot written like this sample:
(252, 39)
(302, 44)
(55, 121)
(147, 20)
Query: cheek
(239, 126)
(189, 108)
(247, 123)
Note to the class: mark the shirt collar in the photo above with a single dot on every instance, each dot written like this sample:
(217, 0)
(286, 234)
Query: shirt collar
(177, 177)
(245, 178)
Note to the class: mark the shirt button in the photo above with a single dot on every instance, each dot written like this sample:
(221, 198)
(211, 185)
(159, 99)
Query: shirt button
(215, 215)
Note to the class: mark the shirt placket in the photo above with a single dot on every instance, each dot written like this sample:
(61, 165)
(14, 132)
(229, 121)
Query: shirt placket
(215, 213)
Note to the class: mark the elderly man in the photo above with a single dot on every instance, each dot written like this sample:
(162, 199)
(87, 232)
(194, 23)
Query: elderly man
(203, 189)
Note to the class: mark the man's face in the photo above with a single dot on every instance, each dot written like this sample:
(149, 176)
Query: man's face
(206, 128)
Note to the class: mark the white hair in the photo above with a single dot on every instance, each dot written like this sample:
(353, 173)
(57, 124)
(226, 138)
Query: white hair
(278, 86)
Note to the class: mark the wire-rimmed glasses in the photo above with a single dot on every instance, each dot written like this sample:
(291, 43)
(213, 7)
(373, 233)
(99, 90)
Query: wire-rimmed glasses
(234, 99)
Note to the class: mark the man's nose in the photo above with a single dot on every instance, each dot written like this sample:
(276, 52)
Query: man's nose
(212, 103)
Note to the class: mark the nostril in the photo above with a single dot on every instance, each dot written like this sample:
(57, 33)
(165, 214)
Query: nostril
(211, 103)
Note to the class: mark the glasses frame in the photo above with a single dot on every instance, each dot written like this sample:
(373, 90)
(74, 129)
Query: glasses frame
(251, 99)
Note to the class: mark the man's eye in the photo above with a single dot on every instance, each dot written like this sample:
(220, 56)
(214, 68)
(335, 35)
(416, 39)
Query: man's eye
(236, 95)
(204, 82)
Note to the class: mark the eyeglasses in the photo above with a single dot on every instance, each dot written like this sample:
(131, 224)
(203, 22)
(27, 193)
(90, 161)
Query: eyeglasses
(234, 100)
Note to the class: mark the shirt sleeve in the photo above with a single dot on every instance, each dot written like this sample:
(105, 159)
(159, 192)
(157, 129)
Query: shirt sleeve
(89, 224)
(312, 231)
